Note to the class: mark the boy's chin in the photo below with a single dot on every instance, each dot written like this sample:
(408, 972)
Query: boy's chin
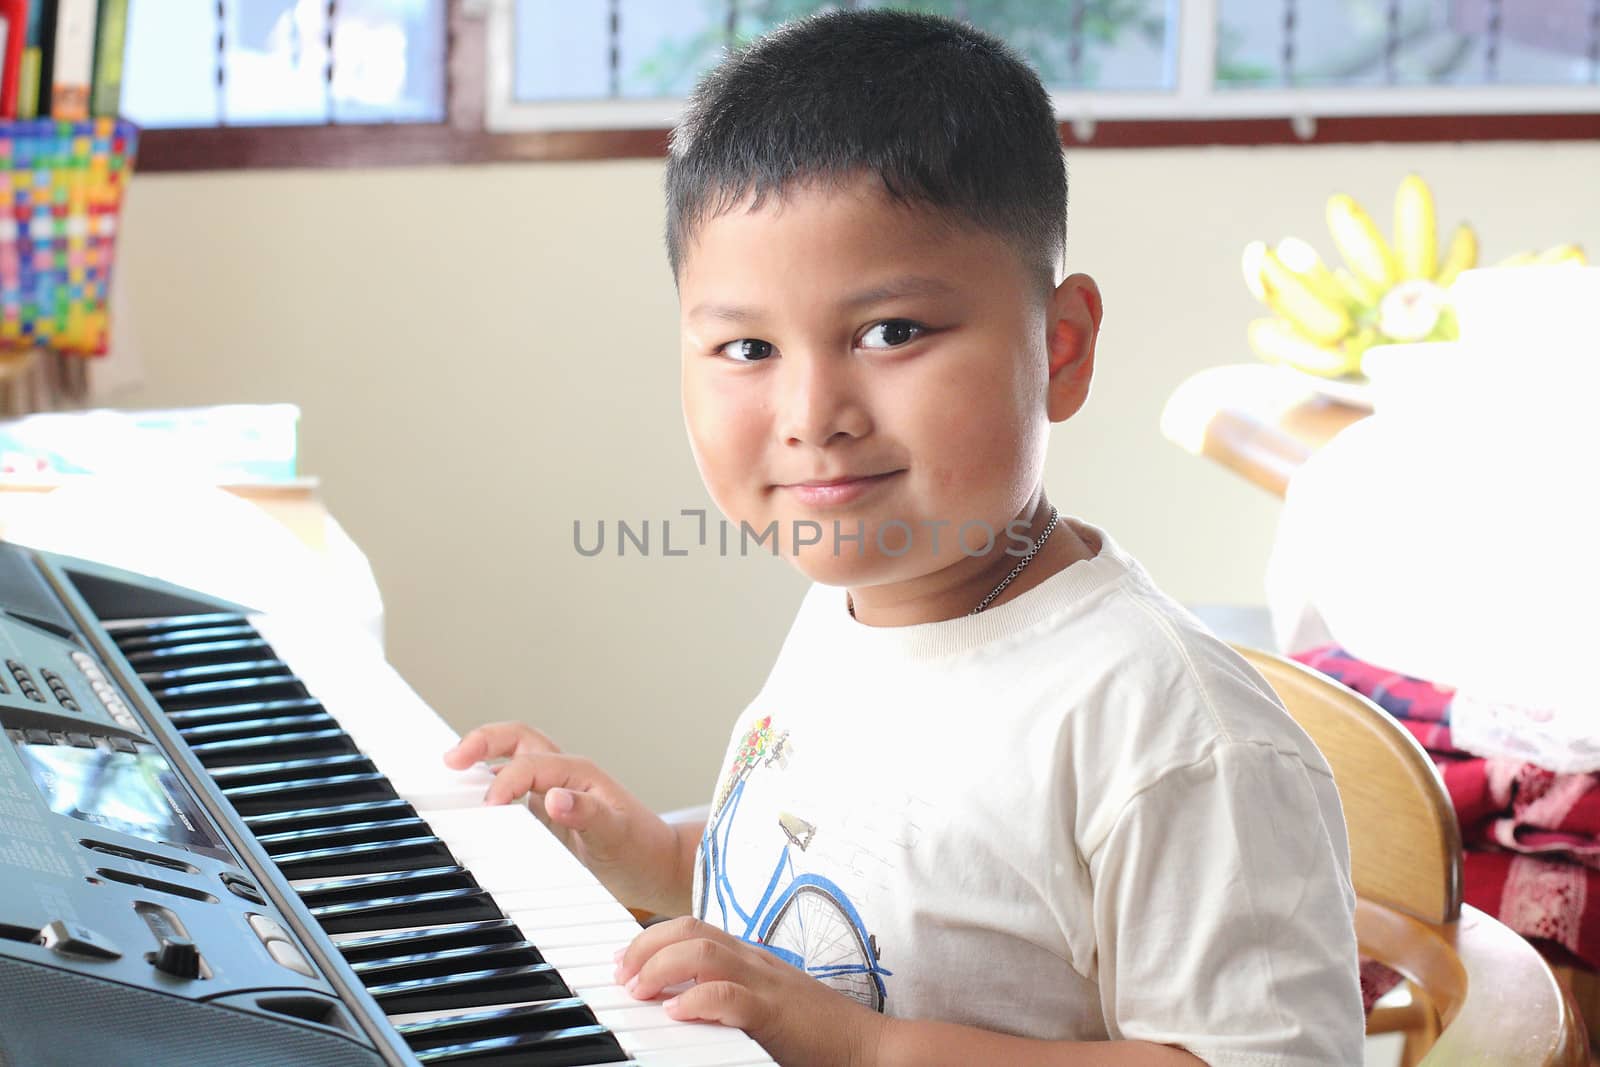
(844, 569)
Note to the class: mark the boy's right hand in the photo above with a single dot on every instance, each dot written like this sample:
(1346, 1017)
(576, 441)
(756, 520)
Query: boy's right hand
(637, 856)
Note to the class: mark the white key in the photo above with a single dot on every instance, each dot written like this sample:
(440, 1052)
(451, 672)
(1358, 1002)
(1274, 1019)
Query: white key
(682, 1035)
(557, 903)
(552, 897)
(587, 976)
(567, 936)
(597, 955)
(605, 996)
(749, 1054)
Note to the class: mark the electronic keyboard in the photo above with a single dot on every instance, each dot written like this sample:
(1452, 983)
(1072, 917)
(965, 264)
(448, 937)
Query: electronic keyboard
(228, 838)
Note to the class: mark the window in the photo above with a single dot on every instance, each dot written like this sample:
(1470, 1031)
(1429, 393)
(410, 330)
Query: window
(564, 64)
(303, 62)
(252, 83)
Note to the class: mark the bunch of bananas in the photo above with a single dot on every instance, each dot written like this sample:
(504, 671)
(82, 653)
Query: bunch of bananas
(1325, 320)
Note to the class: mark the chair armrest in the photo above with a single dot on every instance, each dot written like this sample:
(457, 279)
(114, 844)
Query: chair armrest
(1499, 1002)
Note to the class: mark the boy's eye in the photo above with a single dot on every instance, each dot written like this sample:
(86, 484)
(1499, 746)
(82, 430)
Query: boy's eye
(892, 334)
(747, 350)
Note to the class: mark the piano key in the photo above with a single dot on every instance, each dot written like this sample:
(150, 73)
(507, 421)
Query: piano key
(598, 954)
(305, 721)
(454, 931)
(422, 939)
(582, 1045)
(131, 644)
(308, 792)
(403, 853)
(171, 652)
(552, 938)
(528, 981)
(250, 709)
(704, 1056)
(446, 1027)
(583, 977)
(388, 913)
(290, 769)
(329, 815)
(682, 1035)
(328, 741)
(355, 832)
(416, 965)
(315, 891)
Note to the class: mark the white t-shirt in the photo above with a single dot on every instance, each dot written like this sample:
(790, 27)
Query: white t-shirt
(1076, 815)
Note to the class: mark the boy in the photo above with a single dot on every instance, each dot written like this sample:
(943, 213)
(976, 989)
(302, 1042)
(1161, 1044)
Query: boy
(999, 798)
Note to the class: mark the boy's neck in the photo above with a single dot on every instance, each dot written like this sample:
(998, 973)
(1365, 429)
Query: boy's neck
(908, 604)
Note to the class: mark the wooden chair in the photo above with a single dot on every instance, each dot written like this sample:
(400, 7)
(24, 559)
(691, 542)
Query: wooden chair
(1481, 994)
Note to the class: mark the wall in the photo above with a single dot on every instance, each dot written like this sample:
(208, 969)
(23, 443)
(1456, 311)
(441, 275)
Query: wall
(484, 354)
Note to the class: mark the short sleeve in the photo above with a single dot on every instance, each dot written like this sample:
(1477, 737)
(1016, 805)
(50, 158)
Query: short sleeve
(1224, 915)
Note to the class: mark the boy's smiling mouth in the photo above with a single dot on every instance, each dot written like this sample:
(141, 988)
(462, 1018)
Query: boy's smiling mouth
(838, 490)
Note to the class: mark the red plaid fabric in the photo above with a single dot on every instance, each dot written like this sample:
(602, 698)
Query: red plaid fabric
(1532, 837)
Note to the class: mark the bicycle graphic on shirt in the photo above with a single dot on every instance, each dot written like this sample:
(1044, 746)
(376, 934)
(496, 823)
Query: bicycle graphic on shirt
(804, 919)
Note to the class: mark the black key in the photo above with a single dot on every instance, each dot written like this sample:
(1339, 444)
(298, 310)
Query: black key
(197, 653)
(403, 854)
(545, 1048)
(140, 627)
(310, 792)
(369, 886)
(131, 645)
(469, 958)
(510, 1021)
(497, 985)
(419, 909)
(431, 939)
(213, 672)
(228, 691)
(236, 750)
(122, 744)
(80, 740)
(282, 724)
(312, 817)
(260, 709)
(351, 833)
(38, 737)
(290, 770)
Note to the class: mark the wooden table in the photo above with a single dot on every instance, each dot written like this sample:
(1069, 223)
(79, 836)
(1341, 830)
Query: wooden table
(1258, 421)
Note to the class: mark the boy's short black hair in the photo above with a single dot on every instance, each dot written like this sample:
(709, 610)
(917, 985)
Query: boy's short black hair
(946, 115)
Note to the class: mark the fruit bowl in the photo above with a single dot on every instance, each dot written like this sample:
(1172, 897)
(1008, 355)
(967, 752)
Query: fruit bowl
(1326, 319)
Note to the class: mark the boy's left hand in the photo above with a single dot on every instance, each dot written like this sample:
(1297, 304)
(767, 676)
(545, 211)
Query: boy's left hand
(796, 1018)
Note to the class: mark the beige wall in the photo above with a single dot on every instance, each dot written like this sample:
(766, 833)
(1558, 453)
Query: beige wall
(484, 354)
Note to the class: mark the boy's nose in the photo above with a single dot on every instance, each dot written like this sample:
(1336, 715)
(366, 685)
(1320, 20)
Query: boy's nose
(817, 400)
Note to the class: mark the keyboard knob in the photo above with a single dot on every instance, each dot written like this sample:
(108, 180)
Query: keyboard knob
(177, 957)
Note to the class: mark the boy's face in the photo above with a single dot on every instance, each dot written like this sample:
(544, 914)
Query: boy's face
(837, 336)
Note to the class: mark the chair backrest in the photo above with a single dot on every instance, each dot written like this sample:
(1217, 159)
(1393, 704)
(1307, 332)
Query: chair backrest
(1405, 843)
(1497, 999)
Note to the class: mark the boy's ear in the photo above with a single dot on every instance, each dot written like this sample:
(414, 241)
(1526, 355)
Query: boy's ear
(1074, 323)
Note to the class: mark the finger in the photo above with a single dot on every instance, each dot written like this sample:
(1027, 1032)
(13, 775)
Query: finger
(696, 961)
(657, 937)
(539, 773)
(728, 1003)
(495, 741)
(583, 813)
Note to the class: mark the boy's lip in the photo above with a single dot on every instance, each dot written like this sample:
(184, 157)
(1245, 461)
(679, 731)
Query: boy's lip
(840, 490)
(841, 480)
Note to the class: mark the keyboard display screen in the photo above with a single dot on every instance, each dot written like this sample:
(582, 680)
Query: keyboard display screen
(131, 792)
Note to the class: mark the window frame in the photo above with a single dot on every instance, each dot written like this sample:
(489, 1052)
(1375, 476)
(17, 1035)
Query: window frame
(484, 125)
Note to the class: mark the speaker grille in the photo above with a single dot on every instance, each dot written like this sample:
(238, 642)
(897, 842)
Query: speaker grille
(50, 1017)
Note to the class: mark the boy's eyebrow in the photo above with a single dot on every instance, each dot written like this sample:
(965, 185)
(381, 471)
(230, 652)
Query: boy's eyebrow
(904, 286)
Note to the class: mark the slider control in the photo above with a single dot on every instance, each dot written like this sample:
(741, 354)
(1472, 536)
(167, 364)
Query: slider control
(73, 939)
(177, 957)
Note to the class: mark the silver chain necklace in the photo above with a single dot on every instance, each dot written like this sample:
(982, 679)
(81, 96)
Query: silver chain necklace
(1027, 558)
